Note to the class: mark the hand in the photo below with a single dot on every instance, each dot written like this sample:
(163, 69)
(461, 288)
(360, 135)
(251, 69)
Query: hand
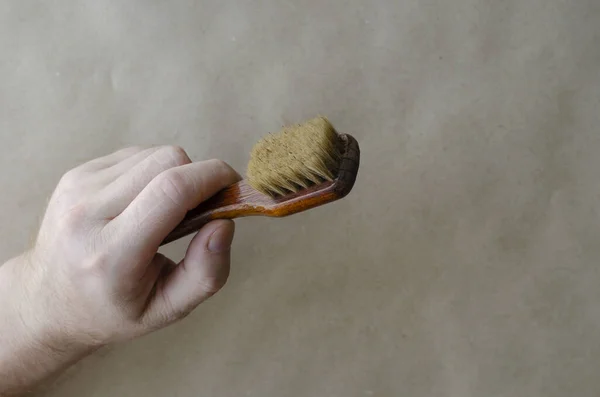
(94, 275)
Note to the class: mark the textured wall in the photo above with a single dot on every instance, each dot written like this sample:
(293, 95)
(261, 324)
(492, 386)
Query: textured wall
(465, 262)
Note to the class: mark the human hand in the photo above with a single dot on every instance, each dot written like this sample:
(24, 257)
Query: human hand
(94, 276)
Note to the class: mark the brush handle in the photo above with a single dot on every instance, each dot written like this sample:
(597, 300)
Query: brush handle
(241, 200)
(230, 203)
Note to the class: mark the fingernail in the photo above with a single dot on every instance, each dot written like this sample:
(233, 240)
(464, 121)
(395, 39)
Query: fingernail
(221, 239)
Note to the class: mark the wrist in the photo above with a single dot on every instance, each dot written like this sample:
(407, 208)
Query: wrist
(41, 317)
(32, 349)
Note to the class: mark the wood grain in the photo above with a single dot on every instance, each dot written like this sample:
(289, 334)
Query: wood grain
(241, 200)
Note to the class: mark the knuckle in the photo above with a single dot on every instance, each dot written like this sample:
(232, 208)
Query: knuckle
(173, 185)
(178, 315)
(75, 217)
(222, 170)
(209, 286)
(176, 155)
(70, 179)
(171, 314)
(98, 262)
(220, 165)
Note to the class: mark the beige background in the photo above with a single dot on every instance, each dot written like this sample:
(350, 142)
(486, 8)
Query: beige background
(465, 262)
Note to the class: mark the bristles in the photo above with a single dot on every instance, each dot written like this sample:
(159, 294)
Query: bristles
(295, 158)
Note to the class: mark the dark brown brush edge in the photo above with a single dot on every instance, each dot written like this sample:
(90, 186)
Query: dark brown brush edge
(241, 200)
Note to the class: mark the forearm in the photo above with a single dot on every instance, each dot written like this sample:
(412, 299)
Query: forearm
(29, 353)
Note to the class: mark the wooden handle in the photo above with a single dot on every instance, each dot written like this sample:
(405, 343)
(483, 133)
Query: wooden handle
(235, 201)
(241, 199)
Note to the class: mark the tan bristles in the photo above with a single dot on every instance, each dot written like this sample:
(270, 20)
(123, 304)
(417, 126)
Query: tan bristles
(295, 158)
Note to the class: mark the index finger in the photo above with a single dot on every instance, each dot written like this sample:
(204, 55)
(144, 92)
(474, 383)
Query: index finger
(164, 202)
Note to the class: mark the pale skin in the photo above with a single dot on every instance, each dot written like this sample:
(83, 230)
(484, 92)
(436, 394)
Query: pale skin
(94, 277)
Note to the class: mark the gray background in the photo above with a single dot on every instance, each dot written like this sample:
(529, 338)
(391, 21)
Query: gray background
(464, 263)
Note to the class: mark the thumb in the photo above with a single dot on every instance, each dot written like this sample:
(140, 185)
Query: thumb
(201, 274)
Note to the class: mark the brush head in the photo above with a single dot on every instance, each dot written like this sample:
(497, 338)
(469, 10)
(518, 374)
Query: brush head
(295, 158)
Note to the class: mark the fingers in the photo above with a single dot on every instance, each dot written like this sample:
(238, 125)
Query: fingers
(201, 274)
(163, 203)
(109, 174)
(110, 160)
(143, 168)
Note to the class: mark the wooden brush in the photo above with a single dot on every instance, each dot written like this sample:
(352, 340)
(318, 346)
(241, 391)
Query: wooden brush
(299, 168)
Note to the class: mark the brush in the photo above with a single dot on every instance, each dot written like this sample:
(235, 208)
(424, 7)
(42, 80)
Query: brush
(300, 168)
